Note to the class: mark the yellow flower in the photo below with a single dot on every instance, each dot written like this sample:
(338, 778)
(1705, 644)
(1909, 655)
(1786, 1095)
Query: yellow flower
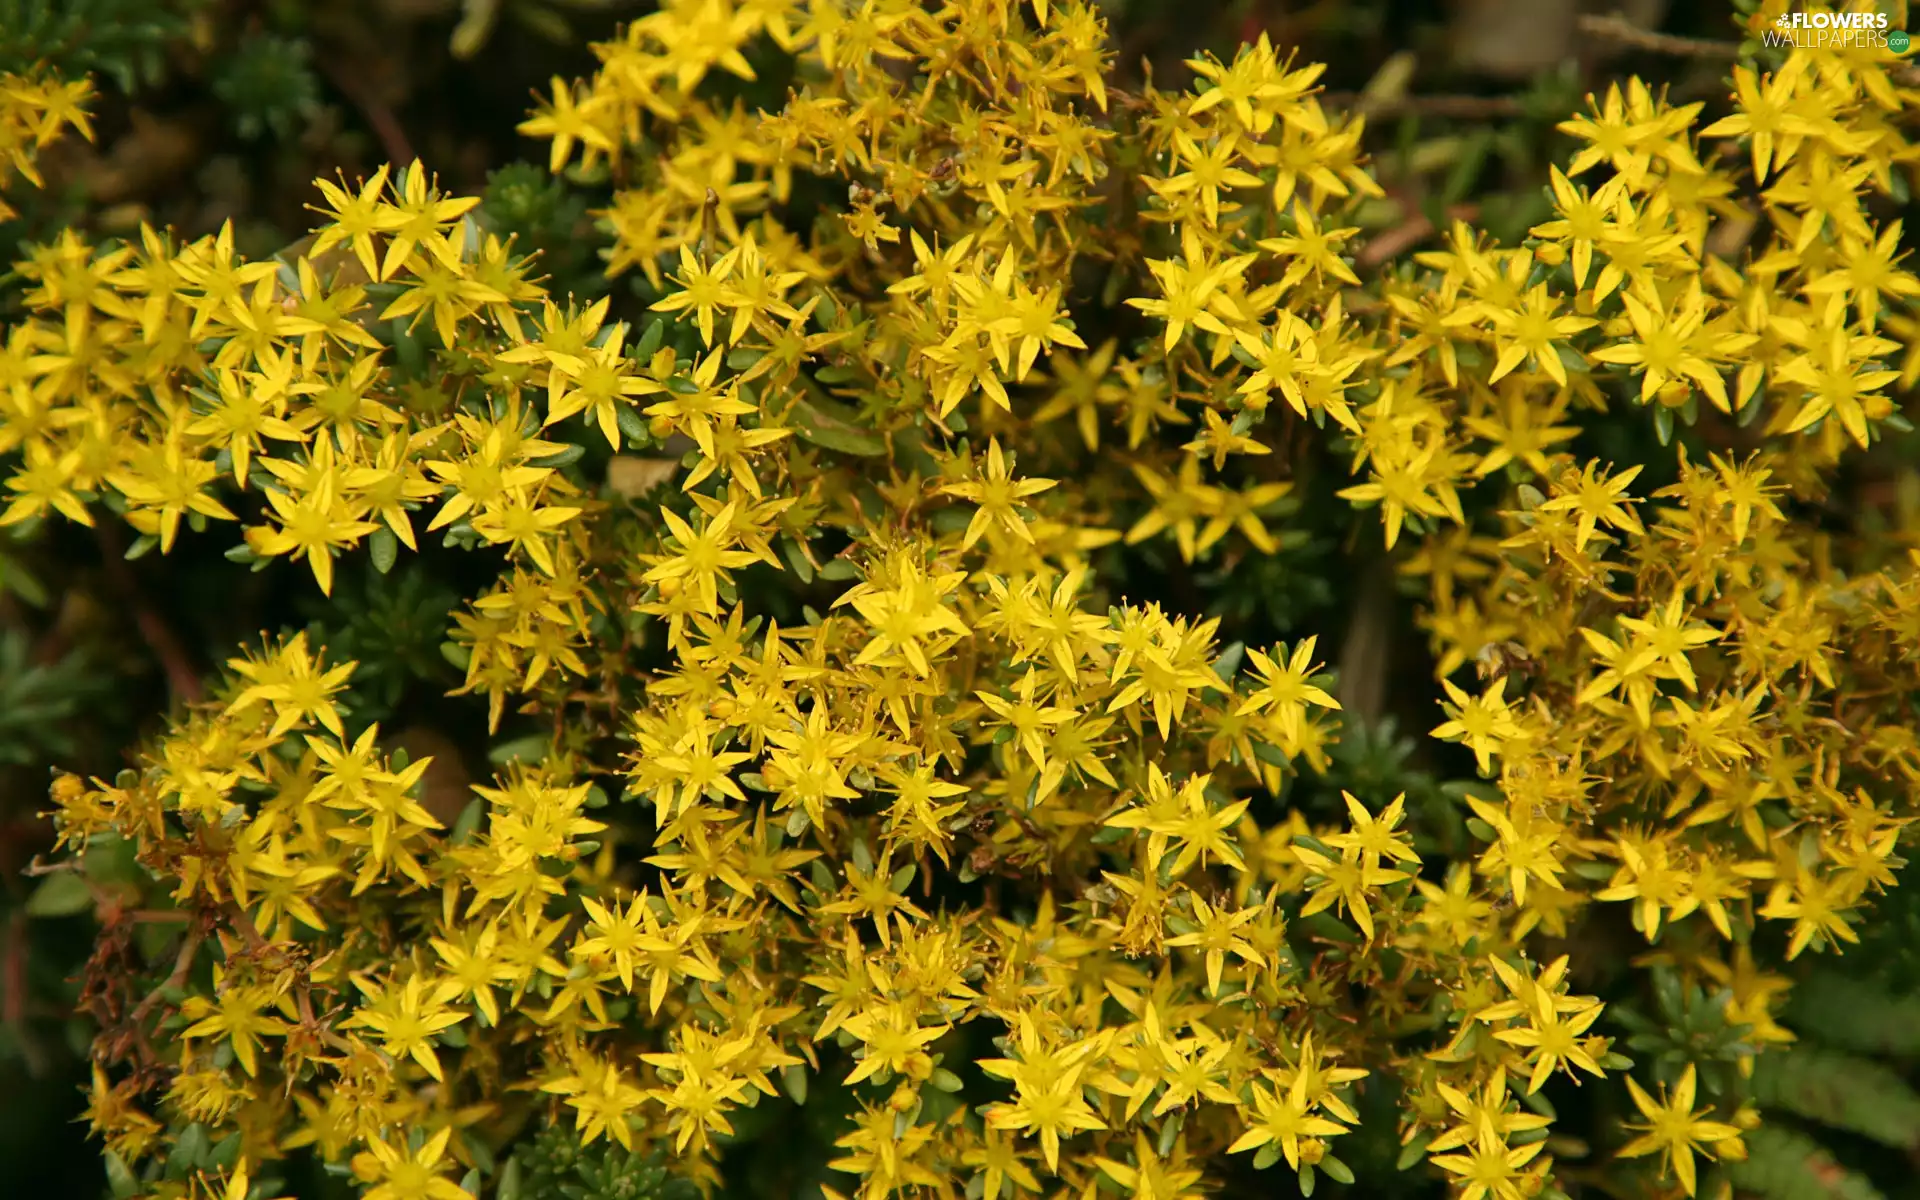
(1483, 722)
(1284, 1118)
(400, 1174)
(1674, 1129)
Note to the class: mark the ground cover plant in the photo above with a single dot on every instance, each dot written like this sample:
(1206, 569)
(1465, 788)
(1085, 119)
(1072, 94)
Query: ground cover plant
(921, 611)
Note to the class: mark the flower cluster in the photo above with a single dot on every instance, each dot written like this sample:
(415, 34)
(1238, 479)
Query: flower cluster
(927, 809)
(35, 110)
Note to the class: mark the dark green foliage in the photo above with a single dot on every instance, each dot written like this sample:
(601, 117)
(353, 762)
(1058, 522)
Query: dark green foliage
(1687, 1025)
(1285, 591)
(481, 19)
(1842, 1115)
(547, 218)
(1841, 1090)
(1888, 957)
(1784, 1164)
(124, 40)
(17, 579)
(1376, 762)
(39, 700)
(392, 625)
(1878, 1022)
(553, 1165)
(268, 86)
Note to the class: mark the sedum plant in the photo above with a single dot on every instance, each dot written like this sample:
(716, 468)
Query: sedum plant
(856, 758)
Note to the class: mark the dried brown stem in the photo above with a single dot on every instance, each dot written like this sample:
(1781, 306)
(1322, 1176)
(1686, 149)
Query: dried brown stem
(182, 679)
(379, 115)
(182, 964)
(13, 978)
(14, 994)
(1616, 28)
(1409, 233)
(243, 921)
(1462, 108)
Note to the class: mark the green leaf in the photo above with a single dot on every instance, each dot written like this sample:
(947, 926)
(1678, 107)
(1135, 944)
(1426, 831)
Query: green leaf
(1411, 1154)
(566, 457)
(1272, 755)
(192, 1148)
(22, 582)
(1538, 1102)
(61, 894)
(797, 560)
(469, 821)
(835, 434)
(633, 426)
(1170, 1133)
(112, 859)
(650, 340)
(1466, 170)
(481, 1153)
(530, 749)
(385, 548)
(1229, 661)
(476, 23)
(226, 1152)
(120, 1179)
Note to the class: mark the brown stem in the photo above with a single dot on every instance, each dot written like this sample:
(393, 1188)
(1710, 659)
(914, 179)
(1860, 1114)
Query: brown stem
(1408, 234)
(13, 993)
(159, 916)
(1464, 108)
(1616, 28)
(182, 679)
(182, 964)
(243, 921)
(303, 998)
(379, 115)
(13, 978)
